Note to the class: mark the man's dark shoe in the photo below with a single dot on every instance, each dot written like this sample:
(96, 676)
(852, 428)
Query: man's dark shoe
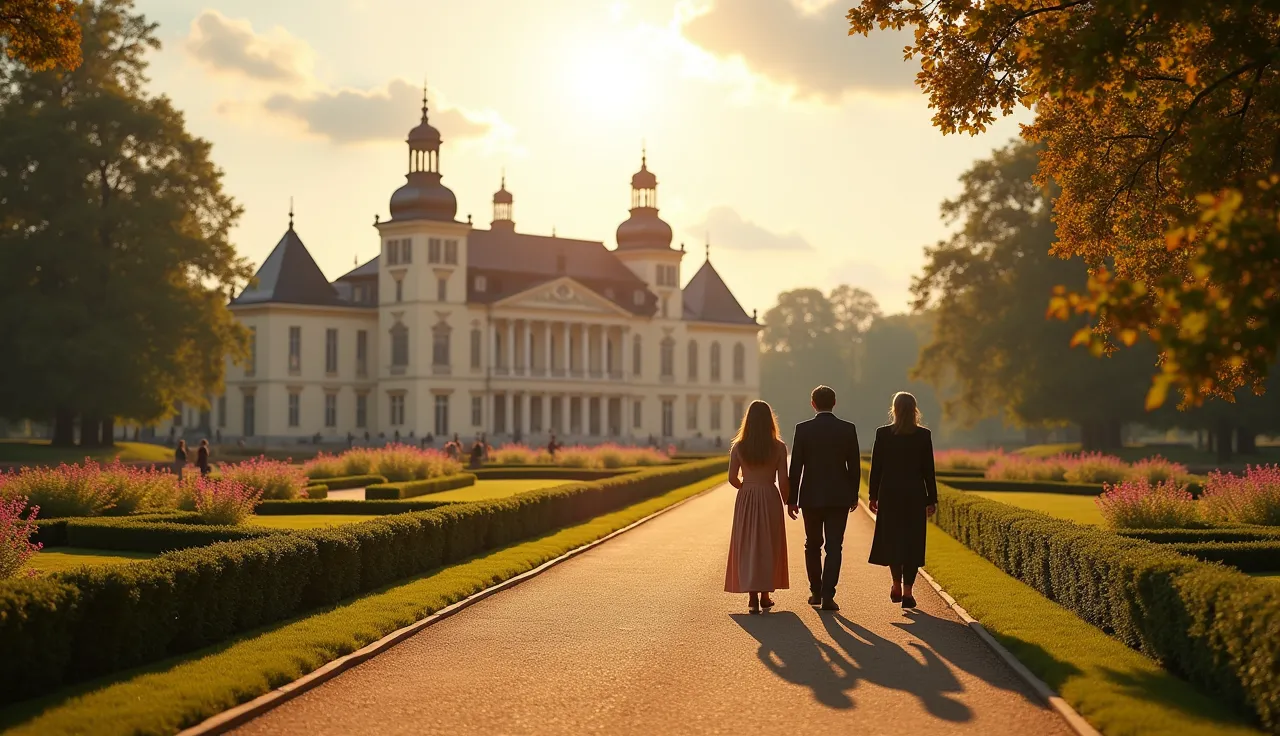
(829, 604)
(815, 600)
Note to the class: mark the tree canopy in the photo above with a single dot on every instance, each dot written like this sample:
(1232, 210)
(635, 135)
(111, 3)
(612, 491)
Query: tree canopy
(115, 263)
(40, 33)
(1159, 124)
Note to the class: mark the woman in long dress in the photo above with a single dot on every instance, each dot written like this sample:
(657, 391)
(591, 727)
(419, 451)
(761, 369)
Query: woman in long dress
(904, 494)
(758, 545)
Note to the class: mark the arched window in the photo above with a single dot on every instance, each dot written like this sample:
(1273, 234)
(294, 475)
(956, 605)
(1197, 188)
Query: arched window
(739, 362)
(399, 345)
(440, 345)
(477, 340)
(636, 360)
(715, 361)
(693, 360)
(668, 358)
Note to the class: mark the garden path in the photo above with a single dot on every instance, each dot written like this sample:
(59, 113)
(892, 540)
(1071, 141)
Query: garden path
(637, 637)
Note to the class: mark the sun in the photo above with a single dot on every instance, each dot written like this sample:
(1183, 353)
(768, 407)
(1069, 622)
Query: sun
(609, 80)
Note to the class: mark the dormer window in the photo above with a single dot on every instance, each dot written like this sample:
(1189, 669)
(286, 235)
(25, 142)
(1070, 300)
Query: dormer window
(481, 284)
(638, 298)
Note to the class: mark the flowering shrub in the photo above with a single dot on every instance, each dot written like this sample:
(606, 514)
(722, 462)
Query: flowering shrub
(274, 478)
(394, 462)
(1138, 504)
(324, 465)
(967, 459)
(515, 455)
(222, 501)
(16, 546)
(1018, 467)
(92, 489)
(1158, 470)
(1252, 498)
(1094, 467)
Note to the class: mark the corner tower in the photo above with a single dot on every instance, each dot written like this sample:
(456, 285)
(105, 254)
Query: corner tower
(644, 244)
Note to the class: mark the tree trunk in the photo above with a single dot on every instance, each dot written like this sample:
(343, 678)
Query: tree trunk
(1114, 437)
(1222, 441)
(109, 432)
(1200, 439)
(1246, 441)
(1088, 438)
(64, 428)
(90, 430)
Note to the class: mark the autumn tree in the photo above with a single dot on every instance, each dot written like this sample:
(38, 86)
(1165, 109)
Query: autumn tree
(40, 34)
(1159, 123)
(115, 263)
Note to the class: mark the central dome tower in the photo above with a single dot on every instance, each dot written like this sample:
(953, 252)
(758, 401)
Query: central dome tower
(423, 197)
(644, 230)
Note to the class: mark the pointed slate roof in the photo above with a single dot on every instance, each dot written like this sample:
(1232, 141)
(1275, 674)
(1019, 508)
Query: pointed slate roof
(289, 275)
(707, 299)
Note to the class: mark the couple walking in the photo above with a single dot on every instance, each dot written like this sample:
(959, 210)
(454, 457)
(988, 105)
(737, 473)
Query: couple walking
(822, 484)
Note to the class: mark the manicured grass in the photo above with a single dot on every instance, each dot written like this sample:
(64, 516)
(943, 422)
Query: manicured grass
(56, 559)
(39, 452)
(1115, 688)
(181, 692)
(483, 490)
(1080, 509)
(309, 521)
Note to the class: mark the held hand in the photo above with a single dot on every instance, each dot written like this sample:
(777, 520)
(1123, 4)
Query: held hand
(793, 512)
(875, 507)
(928, 510)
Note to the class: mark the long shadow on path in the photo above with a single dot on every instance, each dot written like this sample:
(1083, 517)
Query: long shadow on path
(955, 642)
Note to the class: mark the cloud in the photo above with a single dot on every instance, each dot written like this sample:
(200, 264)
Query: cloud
(890, 286)
(808, 48)
(355, 116)
(231, 46)
(726, 229)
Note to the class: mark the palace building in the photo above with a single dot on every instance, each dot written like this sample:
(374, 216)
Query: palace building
(457, 329)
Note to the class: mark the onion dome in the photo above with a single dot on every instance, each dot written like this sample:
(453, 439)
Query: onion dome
(423, 196)
(503, 207)
(644, 230)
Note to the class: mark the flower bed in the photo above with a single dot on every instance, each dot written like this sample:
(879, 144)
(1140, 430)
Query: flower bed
(966, 459)
(1251, 498)
(396, 463)
(16, 546)
(274, 479)
(1090, 467)
(92, 489)
(1139, 504)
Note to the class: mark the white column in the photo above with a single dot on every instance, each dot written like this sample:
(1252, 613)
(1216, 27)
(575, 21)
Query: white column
(622, 354)
(546, 352)
(568, 356)
(592, 341)
(511, 346)
(528, 347)
(489, 345)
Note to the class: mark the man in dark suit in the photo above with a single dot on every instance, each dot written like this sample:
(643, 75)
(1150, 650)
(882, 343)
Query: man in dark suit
(826, 469)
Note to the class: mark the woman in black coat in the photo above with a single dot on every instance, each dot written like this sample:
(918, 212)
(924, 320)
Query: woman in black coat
(904, 494)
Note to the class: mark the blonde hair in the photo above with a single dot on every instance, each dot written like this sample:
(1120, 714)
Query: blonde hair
(904, 413)
(757, 437)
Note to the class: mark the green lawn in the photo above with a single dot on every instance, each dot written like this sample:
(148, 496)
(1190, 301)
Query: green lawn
(1115, 688)
(39, 452)
(1080, 509)
(484, 490)
(308, 521)
(180, 692)
(57, 559)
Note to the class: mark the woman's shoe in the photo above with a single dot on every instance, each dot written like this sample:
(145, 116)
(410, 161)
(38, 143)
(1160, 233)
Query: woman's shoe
(908, 601)
(766, 602)
(753, 604)
(895, 595)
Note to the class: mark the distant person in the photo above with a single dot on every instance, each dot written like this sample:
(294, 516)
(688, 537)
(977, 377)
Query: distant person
(351, 440)
(366, 436)
(397, 435)
(217, 436)
(826, 469)
(904, 494)
(758, 543)
(477, 454)
(202, 458)
(180, 458)
(553, 447)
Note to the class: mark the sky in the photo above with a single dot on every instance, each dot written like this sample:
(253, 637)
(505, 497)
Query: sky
(804, 157)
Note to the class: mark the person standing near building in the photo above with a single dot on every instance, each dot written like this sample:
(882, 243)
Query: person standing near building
(553, 447)
(202, 458)
(180, 458)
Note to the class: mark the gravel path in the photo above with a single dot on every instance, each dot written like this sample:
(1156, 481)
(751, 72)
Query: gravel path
(637, 637)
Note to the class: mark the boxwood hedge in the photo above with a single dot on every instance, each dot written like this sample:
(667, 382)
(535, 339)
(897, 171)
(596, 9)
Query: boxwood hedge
(1211, 625)
(345, 506)
(552, 472)
(67, 627)
(413, 488)
(1244, 556)
(140, 534)
(1034, 486)
(344, 482)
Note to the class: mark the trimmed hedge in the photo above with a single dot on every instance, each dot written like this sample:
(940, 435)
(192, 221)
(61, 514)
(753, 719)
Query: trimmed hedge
(413, 488)
(344, 482)
(1024, 486)
(317, 492)
(1208, 534)
(1244, 556)
(1213, 626)
(53, 532)
(953, 473)
(67, 627)
(345, 506)
(550, 472)
(136, 534)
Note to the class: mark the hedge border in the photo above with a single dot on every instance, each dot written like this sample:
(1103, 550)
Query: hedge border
(345, 506)
(343, 482)
(1244, 556)
(415, 488)
(1204, 535)
(65, 627)
(159, 536)
(549, 472)
(1034, 486)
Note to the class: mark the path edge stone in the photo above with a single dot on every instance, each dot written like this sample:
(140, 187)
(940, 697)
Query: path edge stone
(1041, 688)
(233, 718)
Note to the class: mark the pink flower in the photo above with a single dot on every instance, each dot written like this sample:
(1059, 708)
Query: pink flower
(16, 546)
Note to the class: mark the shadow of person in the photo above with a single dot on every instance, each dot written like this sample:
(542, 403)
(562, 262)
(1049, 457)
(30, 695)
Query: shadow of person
(956, 643)
(791, 652)
(888, 665)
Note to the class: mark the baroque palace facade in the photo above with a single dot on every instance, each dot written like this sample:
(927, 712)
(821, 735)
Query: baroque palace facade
(455, 329)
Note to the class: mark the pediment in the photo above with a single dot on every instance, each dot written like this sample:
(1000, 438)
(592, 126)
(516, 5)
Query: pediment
(563, 295)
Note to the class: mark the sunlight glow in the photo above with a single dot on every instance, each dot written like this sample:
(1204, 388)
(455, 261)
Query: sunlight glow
(610, 81)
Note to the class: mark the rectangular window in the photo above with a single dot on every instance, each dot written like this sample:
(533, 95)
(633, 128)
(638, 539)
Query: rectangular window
(668, 418)
(715, 415)
(330, 410)
(399, 290)
(738, 411)
(476, 343)
(442, 415)
(295, 408)
(442, 289)
(393, 252)
(635, 356)
(251, 368)
(593, 416)
(692, 406)
(249, 411)
(557, 414)
(500, 413)
(295, 349)
(362, 410)
(575, 415)
(715, 361)
(637, 410)
(440, 349)
(481, 284)
(451, 252)
(693, 361)
(406, 250)
(331, 351)
(397, 410)
(362, 353)
(535, 414)
(399, 346)
(668, 361)
(222, 412)
(477, 411)
(433, 250)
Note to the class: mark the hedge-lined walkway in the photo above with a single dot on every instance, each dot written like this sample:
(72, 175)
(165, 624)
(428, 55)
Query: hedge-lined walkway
(636, 637)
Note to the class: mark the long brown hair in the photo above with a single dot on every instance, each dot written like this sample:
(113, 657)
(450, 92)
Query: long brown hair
(757, 438)
(905, 413)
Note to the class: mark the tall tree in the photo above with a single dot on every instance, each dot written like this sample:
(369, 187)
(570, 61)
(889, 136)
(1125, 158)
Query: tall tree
(114, 257)
(40, 33)
(1159, 124)
(988, 287)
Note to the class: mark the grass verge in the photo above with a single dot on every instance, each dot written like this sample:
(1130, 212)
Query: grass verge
(183, 691)
(1080, 509)
(57, 559)
(1118, 690)
(40, 452)
(309, 521)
